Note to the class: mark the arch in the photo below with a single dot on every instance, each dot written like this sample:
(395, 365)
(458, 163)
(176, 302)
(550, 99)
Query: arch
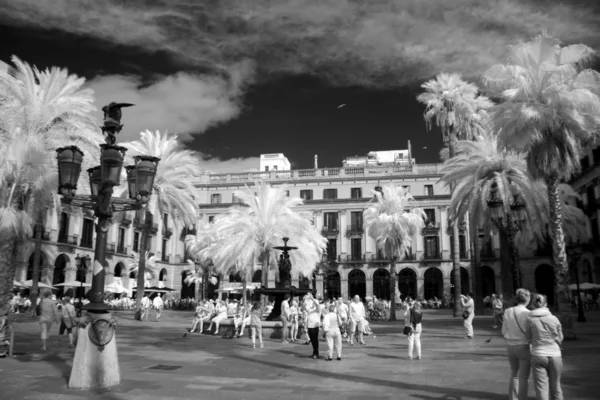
(235, 277)
(119, 270)
(381, 283)
(465, 283)
(544, 281)
(133, 275)
(43, 261)
(597, 270)
(434, 283)
(162, 275)
(59, 274)
(488, 279)
(187, 291)
(407, 283)
(357, 283)
(334, 285)
(257, 276)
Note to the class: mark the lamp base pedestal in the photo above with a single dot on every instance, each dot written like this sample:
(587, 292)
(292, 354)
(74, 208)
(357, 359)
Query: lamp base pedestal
(92, 368)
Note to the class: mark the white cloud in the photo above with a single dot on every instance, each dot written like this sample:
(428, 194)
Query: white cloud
(234, 165)
(183, 103)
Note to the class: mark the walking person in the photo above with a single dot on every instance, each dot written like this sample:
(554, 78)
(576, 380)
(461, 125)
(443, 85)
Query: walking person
(145, 307)
(468, 314)
(357, 315)
(285, 318)
(294, 320)
(498, 308)
(68, 321)
(48, 314)
(331, 326)
(158, 305)
(517, 342)
(313, 320)
(256, 324)
(413, 316)
(545, 332)
(342, 311)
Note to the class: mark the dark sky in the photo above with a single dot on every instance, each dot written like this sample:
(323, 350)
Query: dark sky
(297, 116)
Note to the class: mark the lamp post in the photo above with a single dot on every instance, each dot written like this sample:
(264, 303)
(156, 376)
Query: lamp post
(82, 266)
(96, 362)
(510, 222)
(574, 253)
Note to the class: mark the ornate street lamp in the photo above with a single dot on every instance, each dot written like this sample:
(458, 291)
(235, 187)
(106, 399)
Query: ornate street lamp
(509, 223)
(96, 352)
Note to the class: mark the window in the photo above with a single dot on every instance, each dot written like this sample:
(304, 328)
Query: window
(379, 189)
(121, 240)
(428, 190)
(287, 193)
(136, 241)
(163, 250)
(274, 167)
(63, 232)
(211, 219)
(266, 168)
(406, 187)
(236, 200)
(356, 219)
(330, 220)
(356, 193)
(462, 245)
(432, 247)
(306, 194)
(356, 249)
(430, 213)
(596, 156)
(165, 220)
(87, 233)
(331, 249)
(595, 233)
(585, 163)
(215, 198)
(329, 194)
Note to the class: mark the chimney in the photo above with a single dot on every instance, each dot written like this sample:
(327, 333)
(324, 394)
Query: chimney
(316, 161)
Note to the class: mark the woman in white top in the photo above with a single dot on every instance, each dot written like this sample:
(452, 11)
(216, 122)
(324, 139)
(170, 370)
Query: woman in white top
(357, 314)
(412, 318)
(221, 311)
(331, 326)
(468, 307)
(313, 320)
(158, 305)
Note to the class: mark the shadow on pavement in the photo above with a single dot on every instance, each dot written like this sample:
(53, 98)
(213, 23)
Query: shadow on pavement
(458, 393)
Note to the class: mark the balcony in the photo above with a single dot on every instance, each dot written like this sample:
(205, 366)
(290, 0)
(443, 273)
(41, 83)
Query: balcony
(67, 239)
(330, 231)
(432, 256)
(487, 254)
(431, 228)
(545, 251)
(354, 230)
(167, 232)
(153, 229)
(121, 250)
(46, 236)
(125, 222)
(138, 222)
(88, 243)
(164, 258)
(410, 257)
(378, 259)
(355, 258)
(110, 247)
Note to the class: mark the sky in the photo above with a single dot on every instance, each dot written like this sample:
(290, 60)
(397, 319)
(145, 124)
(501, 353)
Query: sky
(235, 78)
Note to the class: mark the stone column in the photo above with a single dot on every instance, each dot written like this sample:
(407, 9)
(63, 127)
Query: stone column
(319, 284)
(344, 249)
(446, 289)
(445, 246)
(369, 284)
(344, 288)
(46, 274)
(421, 287)
(21, 273)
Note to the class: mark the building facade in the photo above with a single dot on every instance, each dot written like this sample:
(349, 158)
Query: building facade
(337, 197)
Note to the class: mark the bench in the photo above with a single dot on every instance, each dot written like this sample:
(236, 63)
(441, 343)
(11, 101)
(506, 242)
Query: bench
(270, 329)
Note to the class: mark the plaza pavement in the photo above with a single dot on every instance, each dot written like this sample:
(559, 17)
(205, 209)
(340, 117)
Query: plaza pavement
(210, 367)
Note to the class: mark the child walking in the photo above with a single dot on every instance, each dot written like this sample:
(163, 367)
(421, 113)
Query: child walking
(256, 324)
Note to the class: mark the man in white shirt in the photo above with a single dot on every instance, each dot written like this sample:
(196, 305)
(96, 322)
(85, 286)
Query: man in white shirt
(342, 310)
(285, 317)
(145, 307)
(514, 331)
(357, 314)
(158, 306)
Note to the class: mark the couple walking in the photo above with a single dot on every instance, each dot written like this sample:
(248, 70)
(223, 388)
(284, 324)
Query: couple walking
(533, 339)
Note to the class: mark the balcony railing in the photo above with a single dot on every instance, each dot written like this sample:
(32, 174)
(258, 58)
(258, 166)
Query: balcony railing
(410, 257)
(355, 258)
(432, 256)
(67, 239)
(46, 236)
(354, 229)
(86, 243)
(330, 230)
(167, 232)
(125, 222)
(487, 253)
(431, 227)
(327, 173)
(121, 250)
(111, 247)
(164, 258)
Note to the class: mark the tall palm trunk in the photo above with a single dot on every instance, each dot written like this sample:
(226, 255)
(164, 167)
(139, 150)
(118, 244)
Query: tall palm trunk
(141, 277)
(476, 266)
(393, 285)
(8, 254)
(204, 282)
(264, 277)
(37, 258)
(559, 254)
(455, 237)
(506, 271)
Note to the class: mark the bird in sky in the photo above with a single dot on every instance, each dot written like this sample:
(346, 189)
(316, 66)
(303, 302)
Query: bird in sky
(341, 105)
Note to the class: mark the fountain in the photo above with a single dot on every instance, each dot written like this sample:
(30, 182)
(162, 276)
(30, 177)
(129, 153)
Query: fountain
(284, 285)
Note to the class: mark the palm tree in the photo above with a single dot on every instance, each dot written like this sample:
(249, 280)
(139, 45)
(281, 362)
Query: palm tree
(52, 106)
(197, 246)
(460, 113)
(249, 232)
(150, 270)
(173, 193)
(478, 169)
(393, 219)
(549, 111)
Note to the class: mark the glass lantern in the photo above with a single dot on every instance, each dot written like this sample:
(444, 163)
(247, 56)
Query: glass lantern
(69, 160)
(111, 163)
